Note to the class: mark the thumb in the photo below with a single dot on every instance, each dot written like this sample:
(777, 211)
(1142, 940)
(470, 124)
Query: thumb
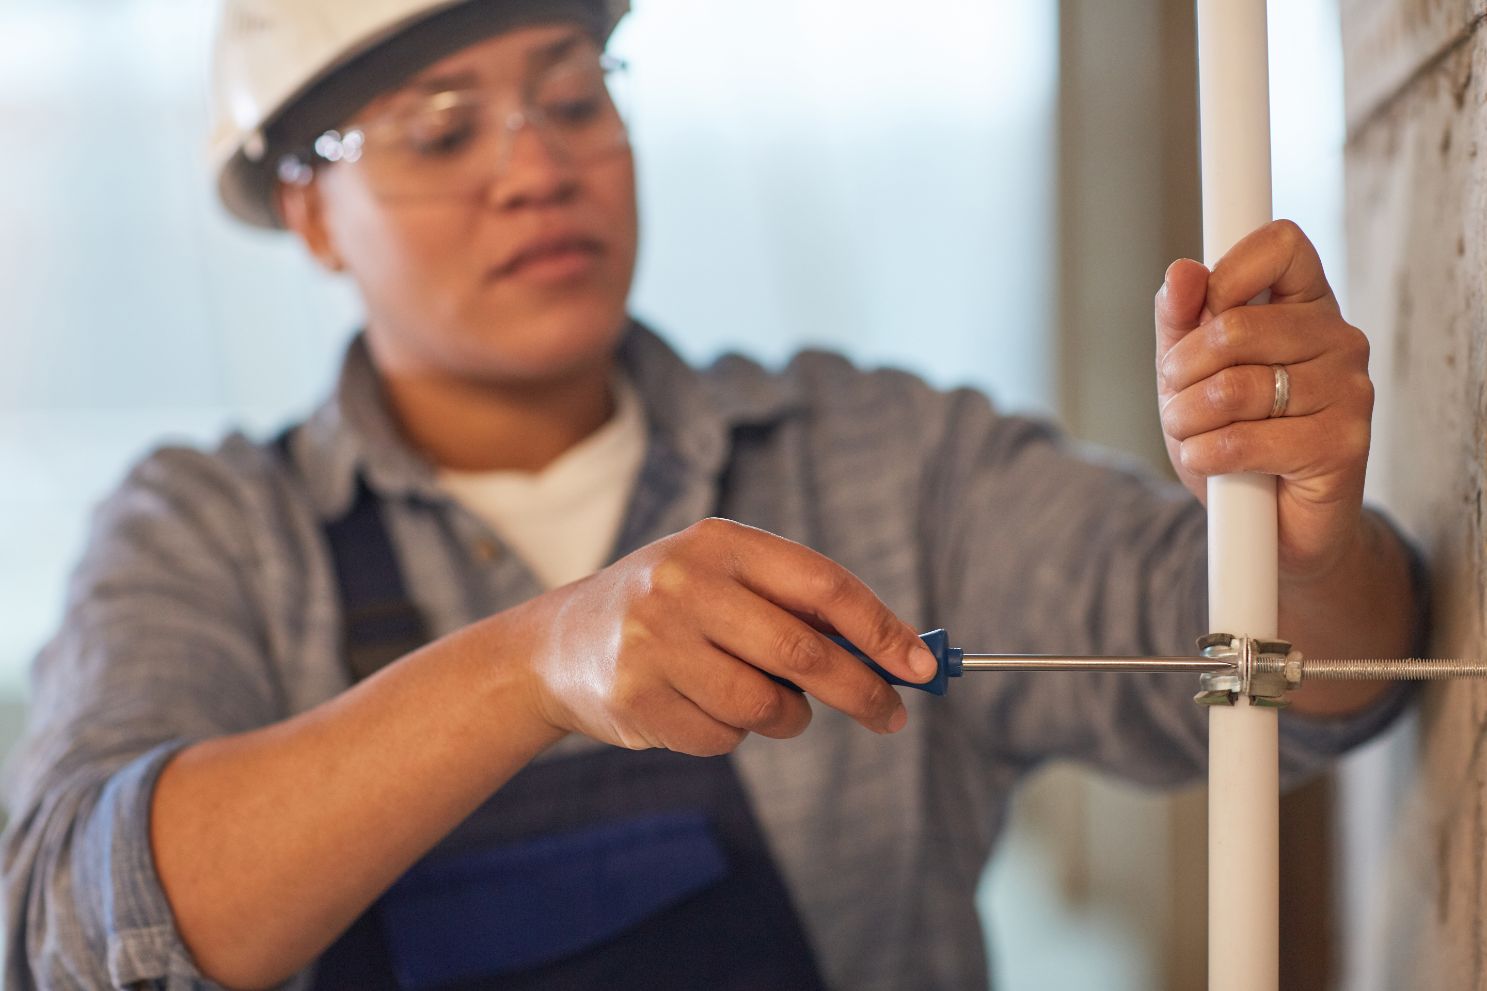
(1179, 303)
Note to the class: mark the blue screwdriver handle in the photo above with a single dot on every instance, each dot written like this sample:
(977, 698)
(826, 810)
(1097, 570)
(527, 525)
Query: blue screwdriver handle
(947, 658)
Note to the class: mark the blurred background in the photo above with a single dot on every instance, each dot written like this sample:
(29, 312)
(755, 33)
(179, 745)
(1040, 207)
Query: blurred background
(983, 191)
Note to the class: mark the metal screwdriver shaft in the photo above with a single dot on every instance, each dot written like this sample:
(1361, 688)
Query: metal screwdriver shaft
(1130, 665)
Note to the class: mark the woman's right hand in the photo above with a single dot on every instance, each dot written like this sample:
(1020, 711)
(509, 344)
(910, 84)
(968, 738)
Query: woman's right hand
(669, 646)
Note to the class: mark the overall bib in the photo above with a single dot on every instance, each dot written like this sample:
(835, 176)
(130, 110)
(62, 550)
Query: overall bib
(613, 869)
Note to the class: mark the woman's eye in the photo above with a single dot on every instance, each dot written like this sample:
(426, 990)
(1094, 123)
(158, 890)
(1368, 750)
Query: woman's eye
(443, 135)
(573, 112)
(572, 98)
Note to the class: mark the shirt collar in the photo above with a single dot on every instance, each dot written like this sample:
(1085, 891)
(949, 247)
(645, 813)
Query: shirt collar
(692, 413)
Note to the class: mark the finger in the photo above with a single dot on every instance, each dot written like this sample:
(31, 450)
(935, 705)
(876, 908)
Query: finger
(1277, 257)
(1275, 334)
(1179, 303)
(737, 694)
(683, 726)
(800, 580)
(1246, 392)
(650, 713)
(769, 638)
(1297, 448)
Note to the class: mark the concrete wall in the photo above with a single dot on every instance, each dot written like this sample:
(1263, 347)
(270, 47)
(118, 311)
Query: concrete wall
(1417, 124)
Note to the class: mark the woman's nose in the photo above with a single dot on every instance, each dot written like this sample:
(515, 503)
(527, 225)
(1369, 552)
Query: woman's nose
(529, 166)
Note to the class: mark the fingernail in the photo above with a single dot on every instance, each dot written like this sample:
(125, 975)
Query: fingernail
(923, 663)
(899, 719)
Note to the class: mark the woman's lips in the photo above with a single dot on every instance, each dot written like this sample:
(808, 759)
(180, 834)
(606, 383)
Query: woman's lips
(555, 261)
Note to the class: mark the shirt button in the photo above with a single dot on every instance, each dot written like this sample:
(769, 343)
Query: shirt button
(487, 550)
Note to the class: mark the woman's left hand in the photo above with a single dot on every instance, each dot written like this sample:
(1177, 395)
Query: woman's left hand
(1216, 387)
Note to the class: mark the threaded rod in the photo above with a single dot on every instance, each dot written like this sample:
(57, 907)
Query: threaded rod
(1380, 668)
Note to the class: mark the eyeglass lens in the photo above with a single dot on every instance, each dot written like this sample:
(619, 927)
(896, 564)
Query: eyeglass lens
(454, 142)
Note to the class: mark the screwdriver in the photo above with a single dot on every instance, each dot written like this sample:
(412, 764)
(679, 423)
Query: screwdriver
(954, 662)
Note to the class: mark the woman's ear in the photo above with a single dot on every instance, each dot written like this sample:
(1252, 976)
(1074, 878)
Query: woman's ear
(302, 209)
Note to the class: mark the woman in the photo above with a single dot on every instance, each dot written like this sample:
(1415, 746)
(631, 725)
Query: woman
(469, 680)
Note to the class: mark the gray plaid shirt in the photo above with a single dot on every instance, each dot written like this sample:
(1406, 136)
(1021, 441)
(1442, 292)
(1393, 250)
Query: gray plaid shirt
(205, 605)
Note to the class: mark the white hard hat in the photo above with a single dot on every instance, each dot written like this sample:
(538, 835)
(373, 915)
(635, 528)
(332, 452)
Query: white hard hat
(274, 58)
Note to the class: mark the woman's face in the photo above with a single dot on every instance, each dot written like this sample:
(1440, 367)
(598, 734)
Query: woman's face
(515, 274)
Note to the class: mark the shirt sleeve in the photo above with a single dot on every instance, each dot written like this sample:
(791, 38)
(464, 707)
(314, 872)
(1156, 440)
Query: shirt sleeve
(159, 647)
(1044, 549)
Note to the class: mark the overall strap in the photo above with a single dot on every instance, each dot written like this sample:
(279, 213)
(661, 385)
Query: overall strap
(380, 621)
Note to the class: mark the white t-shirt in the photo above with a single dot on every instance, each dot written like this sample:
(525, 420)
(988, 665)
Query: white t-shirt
(563, 520)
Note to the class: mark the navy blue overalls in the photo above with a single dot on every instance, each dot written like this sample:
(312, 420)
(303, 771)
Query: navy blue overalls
(613, 869)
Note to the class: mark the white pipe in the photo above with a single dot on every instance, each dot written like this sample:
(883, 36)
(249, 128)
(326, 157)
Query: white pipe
(1243, 779)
